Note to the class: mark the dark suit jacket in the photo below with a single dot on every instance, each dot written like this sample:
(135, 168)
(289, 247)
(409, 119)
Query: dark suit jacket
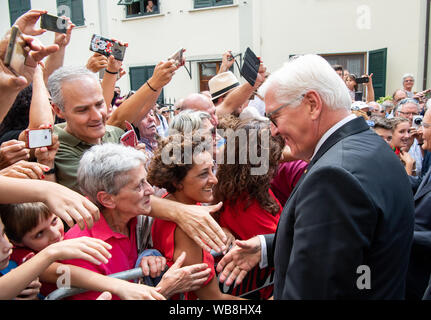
(420, 259)
(353, 207)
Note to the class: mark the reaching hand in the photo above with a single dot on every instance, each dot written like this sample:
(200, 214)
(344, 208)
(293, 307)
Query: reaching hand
(197, 223)
(13, 151)
(25, 170)
(153, 266)
(63, 39)
(27, 22)
(177, 279)
(243, 257)
(70, 206)
(85, 248)
(97, 62)
(31, 292)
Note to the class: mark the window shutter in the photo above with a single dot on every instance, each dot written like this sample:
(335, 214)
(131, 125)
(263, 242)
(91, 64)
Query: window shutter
(377, 61)
(76, 10)
(222, 2)
(140, 75)
(203, 3)
(18, 8)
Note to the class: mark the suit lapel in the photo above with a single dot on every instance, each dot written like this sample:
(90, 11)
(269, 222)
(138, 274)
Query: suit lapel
(424, 187)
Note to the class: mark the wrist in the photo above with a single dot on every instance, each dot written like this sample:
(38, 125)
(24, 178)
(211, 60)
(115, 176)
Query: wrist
(153, 84)
(111, 72)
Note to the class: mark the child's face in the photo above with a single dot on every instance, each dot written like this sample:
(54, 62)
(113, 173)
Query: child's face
(47, 232)
(5, 248)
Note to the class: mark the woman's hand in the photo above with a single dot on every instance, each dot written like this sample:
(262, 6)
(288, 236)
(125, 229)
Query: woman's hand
(25, 170)
(31, 292)
(153, 266)
(85, 248)
(177, 279)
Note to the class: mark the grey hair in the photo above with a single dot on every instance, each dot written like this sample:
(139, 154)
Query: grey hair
(105, 168)
(408, 75)
(304, 73)
(405, 101)
(188, 121)
(62, 75)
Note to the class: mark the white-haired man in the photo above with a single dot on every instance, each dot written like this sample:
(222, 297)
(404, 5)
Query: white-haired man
(343, 233)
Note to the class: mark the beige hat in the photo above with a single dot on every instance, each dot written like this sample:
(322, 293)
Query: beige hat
(222, 84)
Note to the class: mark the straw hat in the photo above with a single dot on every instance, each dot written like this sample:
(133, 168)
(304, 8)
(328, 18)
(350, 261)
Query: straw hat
(222, 84)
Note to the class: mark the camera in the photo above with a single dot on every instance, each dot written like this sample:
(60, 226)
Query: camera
(362, 80)
(417, 121)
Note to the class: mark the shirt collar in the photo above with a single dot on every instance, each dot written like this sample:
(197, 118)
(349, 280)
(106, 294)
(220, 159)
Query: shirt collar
(331, 131)
(101, 230)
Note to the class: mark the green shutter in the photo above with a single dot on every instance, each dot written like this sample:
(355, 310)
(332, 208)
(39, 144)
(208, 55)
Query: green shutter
(203, 3)
(76, 10)
(140, 75)
(222, 2)
(377, 61)
(78, 13)
(17, 8)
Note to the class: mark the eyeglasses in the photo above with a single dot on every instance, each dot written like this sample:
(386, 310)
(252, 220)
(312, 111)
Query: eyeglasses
(409, 113)
(270, 115)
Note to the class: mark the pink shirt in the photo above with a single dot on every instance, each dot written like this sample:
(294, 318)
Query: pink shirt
(124, 252)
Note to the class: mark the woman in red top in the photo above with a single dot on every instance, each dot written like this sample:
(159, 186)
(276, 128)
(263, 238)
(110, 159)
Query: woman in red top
(189, 182)
(250, 207)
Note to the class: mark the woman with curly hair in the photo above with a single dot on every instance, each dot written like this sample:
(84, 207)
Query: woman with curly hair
(184, 165)
(250, 207)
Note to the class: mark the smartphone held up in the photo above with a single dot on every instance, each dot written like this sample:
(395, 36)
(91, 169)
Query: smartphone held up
(16, 53)
(53, 23)
(107, 47)
(39, 138)
(178, 57)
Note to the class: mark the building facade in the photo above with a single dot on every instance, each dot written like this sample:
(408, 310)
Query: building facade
(384, 37)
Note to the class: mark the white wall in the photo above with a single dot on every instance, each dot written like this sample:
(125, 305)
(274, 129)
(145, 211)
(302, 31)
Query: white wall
(273, 29)
(336, 26)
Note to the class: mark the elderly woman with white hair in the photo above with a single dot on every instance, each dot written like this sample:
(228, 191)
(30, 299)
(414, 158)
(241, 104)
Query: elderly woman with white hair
(114, 178)
(189, 121)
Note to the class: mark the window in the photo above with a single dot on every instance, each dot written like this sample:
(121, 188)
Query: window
(73, 9)
(211, 3)
(354, 62)
(17, 8)
(140, 75)
(140, 7)
(208, 70)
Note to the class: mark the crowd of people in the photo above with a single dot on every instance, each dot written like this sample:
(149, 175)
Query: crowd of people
(280, 189)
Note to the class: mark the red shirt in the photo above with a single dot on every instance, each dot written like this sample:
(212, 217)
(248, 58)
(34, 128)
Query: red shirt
(124, 252)
(286, 179)
(245, 224)
(163, 234)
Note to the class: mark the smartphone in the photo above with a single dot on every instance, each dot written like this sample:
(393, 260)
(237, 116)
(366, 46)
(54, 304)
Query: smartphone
(39, 138)
(427, 94)
(358, 96)
(53, 23)
(178, 57)
(362, 80)
(129, 139)
(107, 47)
(16, 53)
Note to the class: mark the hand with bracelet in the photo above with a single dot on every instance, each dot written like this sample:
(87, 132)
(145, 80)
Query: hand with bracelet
(162, 75)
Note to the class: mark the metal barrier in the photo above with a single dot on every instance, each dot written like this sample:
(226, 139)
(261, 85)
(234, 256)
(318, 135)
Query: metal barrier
(132, 274)
(68, 292)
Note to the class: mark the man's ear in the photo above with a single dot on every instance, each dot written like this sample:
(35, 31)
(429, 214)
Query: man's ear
(315, 104)
(58, 111)
(106, 199)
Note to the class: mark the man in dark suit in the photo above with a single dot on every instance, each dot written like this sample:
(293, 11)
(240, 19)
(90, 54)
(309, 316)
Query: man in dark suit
(347, 228)
(420, 260)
